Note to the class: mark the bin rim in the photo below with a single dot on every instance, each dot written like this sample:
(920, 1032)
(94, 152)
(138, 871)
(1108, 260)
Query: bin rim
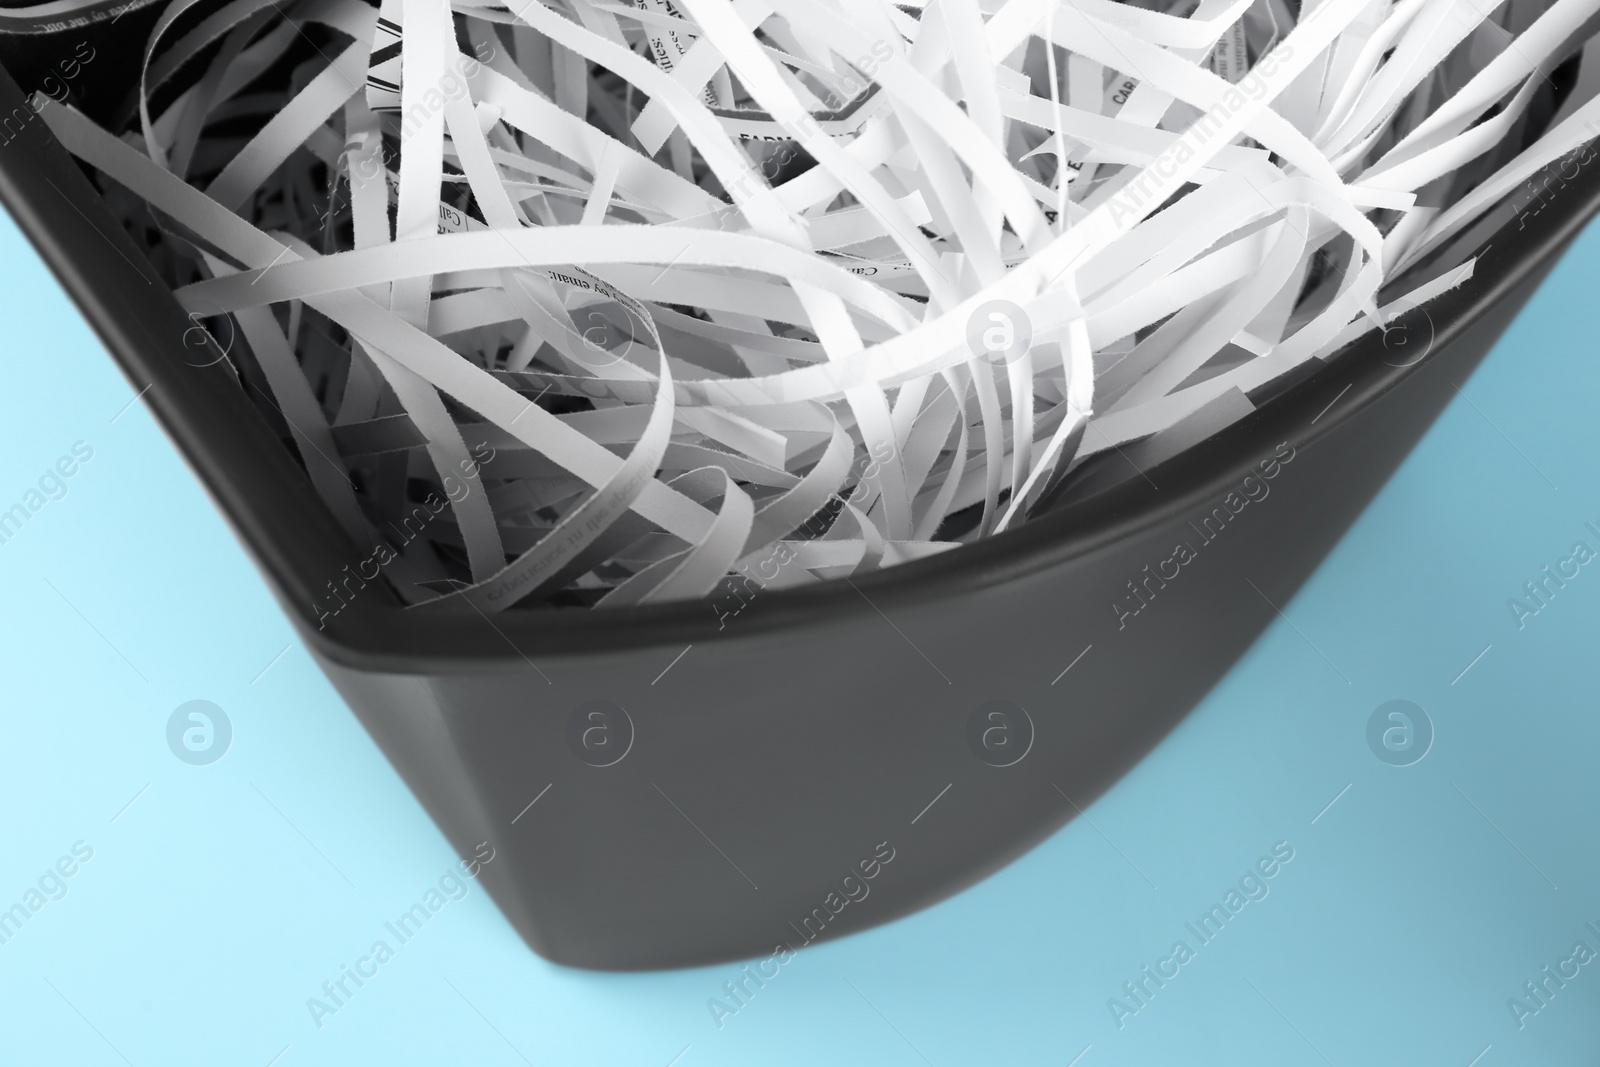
(292, 537)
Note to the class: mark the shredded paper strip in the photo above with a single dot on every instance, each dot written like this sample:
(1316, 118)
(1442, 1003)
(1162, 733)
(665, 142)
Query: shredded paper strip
(585, 303)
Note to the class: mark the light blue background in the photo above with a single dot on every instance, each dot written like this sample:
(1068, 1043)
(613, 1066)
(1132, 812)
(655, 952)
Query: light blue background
(223, 896)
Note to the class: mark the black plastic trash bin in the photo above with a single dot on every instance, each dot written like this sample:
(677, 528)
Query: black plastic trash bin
(676, 784)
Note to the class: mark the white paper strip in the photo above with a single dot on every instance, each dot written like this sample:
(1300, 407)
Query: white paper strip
(611, 302)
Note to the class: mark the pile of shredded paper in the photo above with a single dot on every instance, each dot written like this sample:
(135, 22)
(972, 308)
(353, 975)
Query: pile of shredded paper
(605, 302)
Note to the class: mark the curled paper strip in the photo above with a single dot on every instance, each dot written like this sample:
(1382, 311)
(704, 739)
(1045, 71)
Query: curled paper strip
(575, 302)
(60, 16)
